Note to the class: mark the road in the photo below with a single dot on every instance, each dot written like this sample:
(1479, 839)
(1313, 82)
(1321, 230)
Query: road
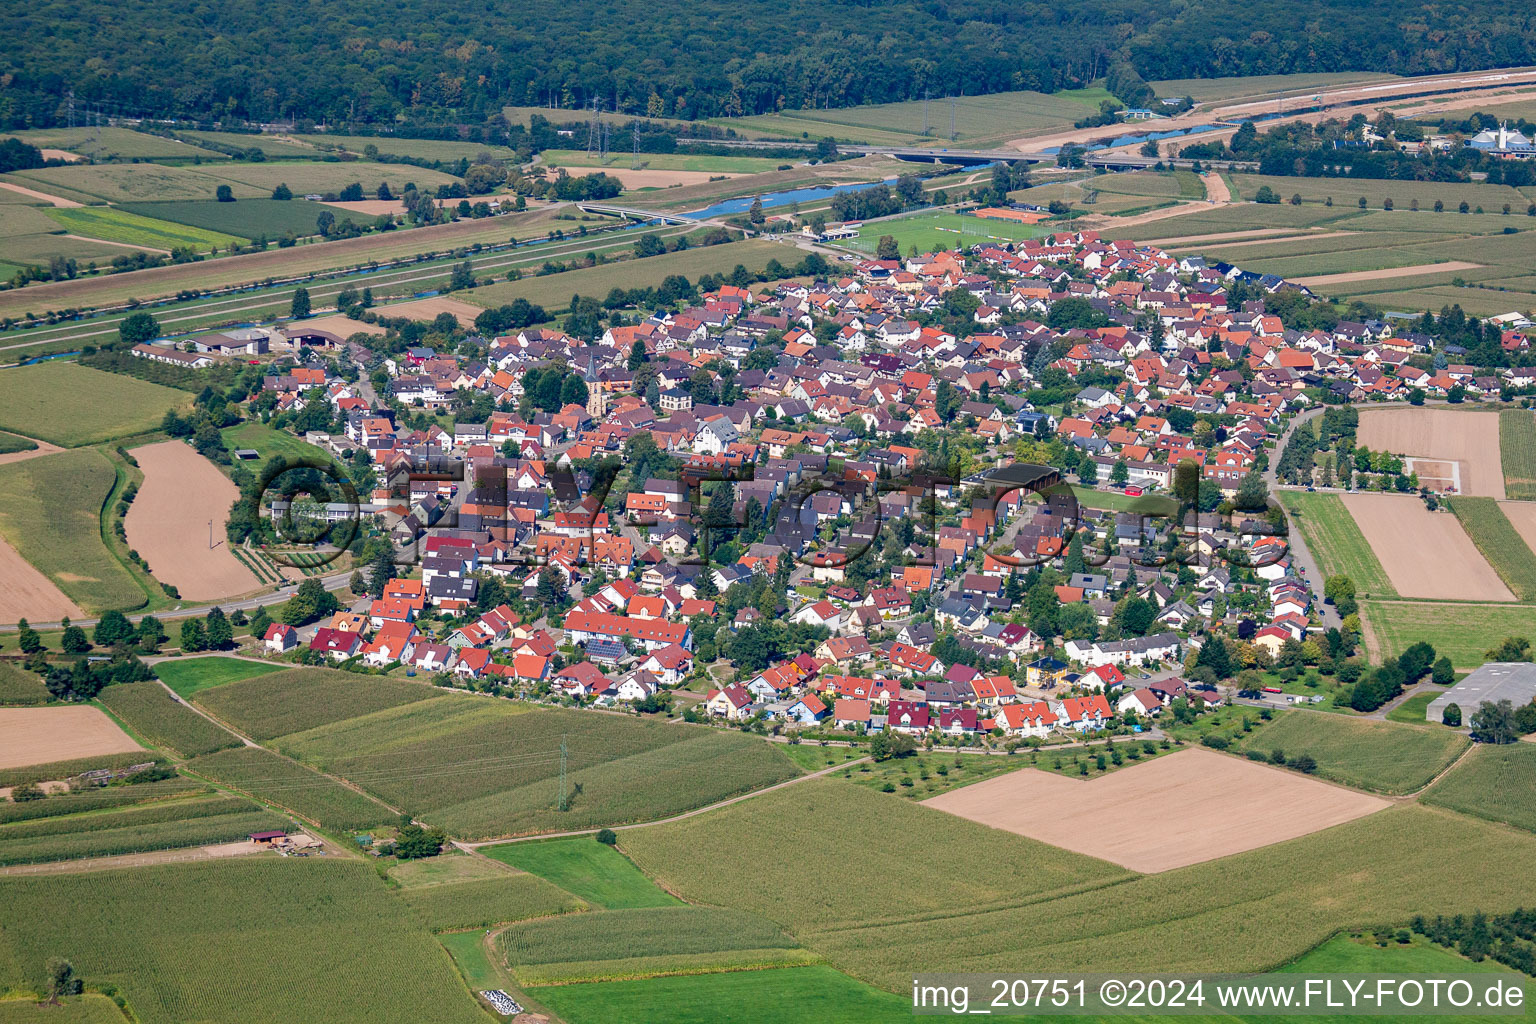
(1301, 555)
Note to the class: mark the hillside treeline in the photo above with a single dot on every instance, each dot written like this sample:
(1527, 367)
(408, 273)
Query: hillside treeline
(367, 61)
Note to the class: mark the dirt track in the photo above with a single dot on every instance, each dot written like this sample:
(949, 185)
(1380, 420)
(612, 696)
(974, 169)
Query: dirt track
(43, 448)
(1380, 275)
(168, 523)
(44, 735)
(1470, 438)
(1426, 554)
(58, 201)
(1180, 809)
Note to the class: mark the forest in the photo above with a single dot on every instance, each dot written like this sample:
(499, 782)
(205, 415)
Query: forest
(413, 61)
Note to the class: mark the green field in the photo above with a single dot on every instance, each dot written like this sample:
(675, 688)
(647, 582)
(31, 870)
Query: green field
(127, 183)
(468, 952)
(187, 676)
(106, 144)
(117, 225)
(90, 1008)
(1148, 504)
(480, 903)
(1413, 710)
(272, 705)
(247, 218)
(235, 941)
(1461, 632)
(1112, 194)
(664, 161)
(929, 232)
(20, 687)
(116, 796)
(306, 176)
(71, 405)
(417, 149)
(1346, 193)
(269, 441)
(1336, 542)
(50, 512)
(597, 873)
(1517, 451)
(1058, 911)
(10, 443)
(554, 291)
(486, 770)
(617, 944)
(161, 826)
(1496, 537)
(1203, 89)
(279, 781)
(1493, 782)
(156, 716)
(1385, 757)
(270, 145)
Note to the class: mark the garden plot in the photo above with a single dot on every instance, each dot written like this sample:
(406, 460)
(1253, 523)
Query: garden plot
(1207, 805)
(1426, 554)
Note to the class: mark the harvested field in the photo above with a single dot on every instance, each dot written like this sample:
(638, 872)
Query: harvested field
(27, 593)
(344, 326)
(1325, 280)
(371, 207)
(1209, 806)
(1471, 438)
(1426, 554)
(43, 735)
(1522, 516)
(58, 201)
(428, 309)
(649, 178)
(182, 492)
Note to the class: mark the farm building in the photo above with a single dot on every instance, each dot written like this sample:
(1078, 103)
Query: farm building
(1514, 681)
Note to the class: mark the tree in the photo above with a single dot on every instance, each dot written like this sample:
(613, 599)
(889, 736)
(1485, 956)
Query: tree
(380, 572)
(300, 306)
(1304, 763)
(637, 356)
(62, 980)
(885, 745)
(1494, 723)
(224, 194)
(221, 635)
(1452, 715)
(137, 328)
(550, 588)
(310, 602)
(607, 837)
(282, 191)
(74, 641)
(1119, 473)
(1513, 648)
(27, 638)
(194, 637)
(1442, 674)
(755, 211)
(887, 248)
(260, 623)
(1186, 482)
(1252, 493)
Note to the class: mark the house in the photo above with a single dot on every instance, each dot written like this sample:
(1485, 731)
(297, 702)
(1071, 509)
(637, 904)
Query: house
(281, 639)
(733, 703)
(907, 716)
(808, 710)
(959, 721)
(1045, 673)
(670, 665)
(1084, 713)
(1142, 702)
(1102, 678)
(1032, 719)
(636, 687)
(337, 644)
(851, 713)
(430, 657)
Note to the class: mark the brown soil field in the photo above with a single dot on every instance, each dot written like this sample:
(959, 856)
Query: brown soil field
(1180, 809)
(1470, 438)
(28, 594)
(1426, 554)
(1216, 190)
(370, 207)
(343, 326)
(44, 735)
(1109, 223)
(61, 154)
(1375, 275)
(1522, 516)
(168, 523)
(428, 309)
(35, 194)
(253, 267)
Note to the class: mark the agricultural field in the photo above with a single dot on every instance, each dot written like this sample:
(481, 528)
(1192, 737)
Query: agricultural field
(1426, 554)
(1346, 193)
(71, 405)
(292, 701)
(620, 770)
(50, 512)
(90, 1008)
(163, 826)
(289, 939)
(1517, 453)
(928, 232)
(96, 799)
(979, 120)
(596, 872)
(1208, 89)
(1384, 757)
(1499, 541)
(554, 291)
(665, 162)
(117, 225)
(416, 149)
(13, 443)
(34, 736)
(154, 714)
(106, 144)
(307, 176)
(188, 676)
(1271, 906)
(1493, 782)
(616, 944)
(1335, 540)
(181, 491)
(20, 687)
(481, 903)
(246, 218)
(283, 783)
(1461, 632)
(48, 771)
(789, 995)
(127, 183)
(270, 145)
(1085, 195)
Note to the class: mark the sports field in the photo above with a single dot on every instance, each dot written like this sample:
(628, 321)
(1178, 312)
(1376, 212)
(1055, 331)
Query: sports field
(286, 939)
(73, 405)
(1209, 806)
(1336, 541)
(1386, 757)
(1494, 782)
(50, 513)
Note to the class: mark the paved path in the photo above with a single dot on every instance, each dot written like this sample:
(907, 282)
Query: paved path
(1301, 555)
